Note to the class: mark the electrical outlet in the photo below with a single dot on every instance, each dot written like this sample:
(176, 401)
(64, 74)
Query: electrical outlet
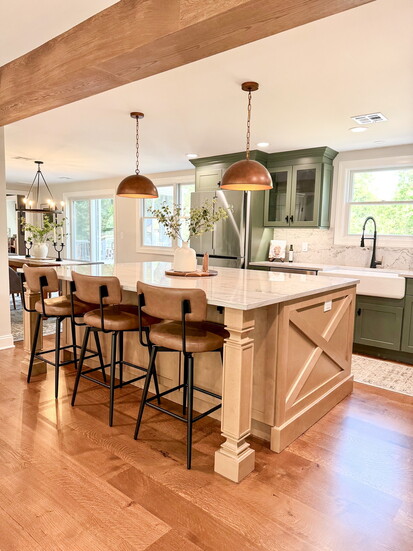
(328, 305)
(304, 247)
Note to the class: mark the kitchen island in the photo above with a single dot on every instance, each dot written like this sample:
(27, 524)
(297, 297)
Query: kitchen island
(286, 363)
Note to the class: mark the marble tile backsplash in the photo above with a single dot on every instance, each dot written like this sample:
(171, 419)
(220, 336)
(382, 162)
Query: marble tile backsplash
(321, 249)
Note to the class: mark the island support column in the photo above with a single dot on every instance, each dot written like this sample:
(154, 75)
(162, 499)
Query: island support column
(235, 459)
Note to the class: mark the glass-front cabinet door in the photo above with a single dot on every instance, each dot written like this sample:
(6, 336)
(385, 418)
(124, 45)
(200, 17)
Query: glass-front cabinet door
(278, 199)
(305, 195)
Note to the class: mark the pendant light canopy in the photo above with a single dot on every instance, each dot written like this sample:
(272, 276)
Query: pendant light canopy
(137, 186)
(247, 175)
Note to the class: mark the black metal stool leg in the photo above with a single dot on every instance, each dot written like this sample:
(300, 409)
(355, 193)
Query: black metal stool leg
(34, 344)
(73, 328)
(189, 418)
(99, 351)
(155, 375)
(185, 382)
(151, 367)
(57, 358)
(121, 359)
(112, 377)
(80, 363)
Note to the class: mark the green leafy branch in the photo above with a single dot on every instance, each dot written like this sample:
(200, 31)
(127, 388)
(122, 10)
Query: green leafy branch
(198, 221)
(42, 234)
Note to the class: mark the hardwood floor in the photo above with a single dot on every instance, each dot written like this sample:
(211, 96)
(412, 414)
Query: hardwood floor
(69, 482)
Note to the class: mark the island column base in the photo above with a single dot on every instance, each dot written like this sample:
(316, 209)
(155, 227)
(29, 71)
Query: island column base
(234, 465)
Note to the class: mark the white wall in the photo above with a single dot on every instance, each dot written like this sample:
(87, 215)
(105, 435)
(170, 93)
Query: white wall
(321, 248)
(6, 338)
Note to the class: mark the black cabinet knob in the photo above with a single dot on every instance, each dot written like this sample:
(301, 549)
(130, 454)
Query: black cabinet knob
(286, 219)
(359, 312)
(291, 219)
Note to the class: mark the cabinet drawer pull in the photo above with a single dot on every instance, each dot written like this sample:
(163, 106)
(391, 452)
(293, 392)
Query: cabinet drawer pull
(359, 312)
(286, 219)
(291, 218)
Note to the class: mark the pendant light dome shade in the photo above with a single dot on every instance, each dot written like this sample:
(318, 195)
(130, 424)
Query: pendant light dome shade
(137, 186)
(247, 175)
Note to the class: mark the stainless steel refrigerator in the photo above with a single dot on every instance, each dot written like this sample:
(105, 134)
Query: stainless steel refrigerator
(239, 238)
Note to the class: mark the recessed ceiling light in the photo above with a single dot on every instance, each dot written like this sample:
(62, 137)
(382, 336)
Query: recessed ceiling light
(358, 129)
(191, 155)
(263, 144)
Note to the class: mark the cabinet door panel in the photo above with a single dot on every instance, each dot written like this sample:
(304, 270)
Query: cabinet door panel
(278, 199)
(378, 325)
(305, 195)
(208, 179)
(407, 335)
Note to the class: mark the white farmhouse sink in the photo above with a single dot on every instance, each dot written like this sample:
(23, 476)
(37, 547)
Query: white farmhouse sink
(373, 282)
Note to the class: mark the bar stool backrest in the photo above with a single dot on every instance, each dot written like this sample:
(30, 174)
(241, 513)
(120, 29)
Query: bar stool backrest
(165, 303)
(33, 277)
(89, 288)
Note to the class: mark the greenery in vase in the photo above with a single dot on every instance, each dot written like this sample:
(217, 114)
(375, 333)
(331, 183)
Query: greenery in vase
(199, 220)
(44, 233)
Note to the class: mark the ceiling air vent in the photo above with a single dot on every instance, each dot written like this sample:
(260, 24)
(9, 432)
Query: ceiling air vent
(369, 119)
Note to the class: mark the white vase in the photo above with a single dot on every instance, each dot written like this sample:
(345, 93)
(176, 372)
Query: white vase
(40, 250)
(184, 258)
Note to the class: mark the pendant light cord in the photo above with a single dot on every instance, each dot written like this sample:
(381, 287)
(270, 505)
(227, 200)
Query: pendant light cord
(248, 126)
(137, 146)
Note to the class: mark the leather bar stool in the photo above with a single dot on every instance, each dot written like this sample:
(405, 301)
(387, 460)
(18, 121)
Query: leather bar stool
(44, 280)
(109, 316)
(187, 332)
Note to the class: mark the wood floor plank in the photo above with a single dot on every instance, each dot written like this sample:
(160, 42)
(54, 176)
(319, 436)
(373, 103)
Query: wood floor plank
(69, 482)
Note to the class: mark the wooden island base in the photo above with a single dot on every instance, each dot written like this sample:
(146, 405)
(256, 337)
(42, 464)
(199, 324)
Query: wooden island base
(285, 366)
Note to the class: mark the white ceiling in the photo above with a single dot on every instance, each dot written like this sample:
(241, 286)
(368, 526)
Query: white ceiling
(27, 24)
(312, 80)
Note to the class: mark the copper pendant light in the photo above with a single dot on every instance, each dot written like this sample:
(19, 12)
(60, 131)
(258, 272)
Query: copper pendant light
(247, 175)
(137, 186)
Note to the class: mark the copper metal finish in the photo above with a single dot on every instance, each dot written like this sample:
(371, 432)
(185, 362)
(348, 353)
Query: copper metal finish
(247, 175)
(137, 186)
(250, 86)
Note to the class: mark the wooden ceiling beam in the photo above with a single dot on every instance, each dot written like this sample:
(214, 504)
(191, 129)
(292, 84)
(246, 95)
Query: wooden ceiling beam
(134, 39)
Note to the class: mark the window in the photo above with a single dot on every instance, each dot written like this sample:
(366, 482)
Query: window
(153, 233)
(381, 188)
(92, 228)
(387, 195)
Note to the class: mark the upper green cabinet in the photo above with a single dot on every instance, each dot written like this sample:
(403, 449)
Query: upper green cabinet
(209, 170)
(301, 191)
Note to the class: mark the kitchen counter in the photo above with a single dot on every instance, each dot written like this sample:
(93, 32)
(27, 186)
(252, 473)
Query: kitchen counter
(18, 261)
(327, 267)
(232, 287)
(287, 361)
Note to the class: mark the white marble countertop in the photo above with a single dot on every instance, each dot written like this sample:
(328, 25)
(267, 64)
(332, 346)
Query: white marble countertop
(231, 288)
(50, 260)
(327, 267)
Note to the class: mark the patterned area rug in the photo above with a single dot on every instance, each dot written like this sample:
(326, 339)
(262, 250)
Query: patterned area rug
(17, 322)
(383, 374)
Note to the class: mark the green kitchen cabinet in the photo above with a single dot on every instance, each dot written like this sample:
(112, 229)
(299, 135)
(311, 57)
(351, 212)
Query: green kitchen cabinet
(209, 170)
(407, 333)
(378, 322)
(301, 194)
(208, 179)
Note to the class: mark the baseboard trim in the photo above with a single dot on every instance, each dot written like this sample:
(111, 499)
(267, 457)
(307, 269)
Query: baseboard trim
(6, 341)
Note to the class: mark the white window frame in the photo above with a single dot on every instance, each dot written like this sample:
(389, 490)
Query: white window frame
(342, 198)
(76, 195)
(174, 181)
